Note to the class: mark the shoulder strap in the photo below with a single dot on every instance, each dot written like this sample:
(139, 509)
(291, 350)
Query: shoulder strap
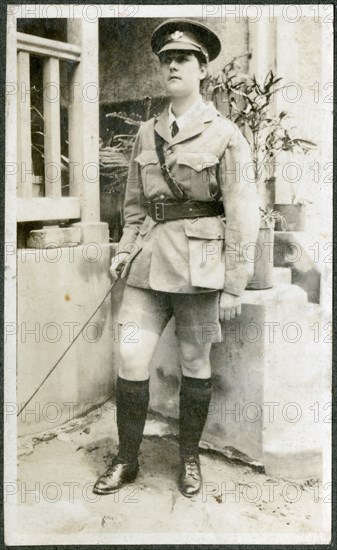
(174, 186)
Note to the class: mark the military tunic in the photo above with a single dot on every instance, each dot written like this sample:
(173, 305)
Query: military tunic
(209, 154)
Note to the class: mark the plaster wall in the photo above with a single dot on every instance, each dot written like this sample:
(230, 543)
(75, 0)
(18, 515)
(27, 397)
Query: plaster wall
(57, 292)
(303, 58)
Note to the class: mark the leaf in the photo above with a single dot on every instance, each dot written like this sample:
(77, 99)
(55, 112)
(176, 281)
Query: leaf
(37, 132)
(273, 92)
(305, 143)
(37, 111)
(268, 82)
(256, 85)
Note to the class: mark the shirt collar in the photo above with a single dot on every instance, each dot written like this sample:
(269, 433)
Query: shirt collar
(183, 119)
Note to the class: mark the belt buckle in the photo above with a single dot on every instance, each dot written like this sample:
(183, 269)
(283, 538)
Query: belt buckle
(159, 212)
(165, 169)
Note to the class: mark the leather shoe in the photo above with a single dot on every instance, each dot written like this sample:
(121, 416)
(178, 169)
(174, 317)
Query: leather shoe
(117, 474)
(190, 475)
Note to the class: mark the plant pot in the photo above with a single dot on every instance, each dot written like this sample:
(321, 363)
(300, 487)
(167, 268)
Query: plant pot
(270, 184)
(263, 263)
(112, 213)
(294, 214)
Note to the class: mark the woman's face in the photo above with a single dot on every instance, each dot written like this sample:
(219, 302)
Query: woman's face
(181, 72)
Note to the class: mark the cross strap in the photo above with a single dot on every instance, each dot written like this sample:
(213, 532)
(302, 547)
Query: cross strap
(176, 189)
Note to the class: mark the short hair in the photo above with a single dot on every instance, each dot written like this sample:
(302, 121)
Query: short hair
(202, 61)
(200, 57)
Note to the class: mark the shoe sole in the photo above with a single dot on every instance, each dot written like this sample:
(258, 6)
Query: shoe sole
(189, 495)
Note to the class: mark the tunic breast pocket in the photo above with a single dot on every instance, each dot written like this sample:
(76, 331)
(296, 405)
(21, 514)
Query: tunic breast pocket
(197, 172)
(150, 170)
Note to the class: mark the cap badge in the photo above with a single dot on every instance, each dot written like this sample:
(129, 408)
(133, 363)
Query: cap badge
(176, 35)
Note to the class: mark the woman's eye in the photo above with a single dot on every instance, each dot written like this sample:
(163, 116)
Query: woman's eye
(178, 58)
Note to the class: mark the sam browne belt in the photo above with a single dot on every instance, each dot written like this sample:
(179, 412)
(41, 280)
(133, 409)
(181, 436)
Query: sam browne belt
(168, 211)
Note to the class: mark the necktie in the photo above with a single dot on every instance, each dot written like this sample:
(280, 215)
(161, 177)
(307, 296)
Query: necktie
(174, 129)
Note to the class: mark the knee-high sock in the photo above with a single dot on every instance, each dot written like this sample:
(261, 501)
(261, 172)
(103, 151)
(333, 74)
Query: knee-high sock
(132, 399)
(195, 396)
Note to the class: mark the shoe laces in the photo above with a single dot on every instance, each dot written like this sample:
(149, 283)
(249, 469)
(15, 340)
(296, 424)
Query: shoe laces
(192, 466)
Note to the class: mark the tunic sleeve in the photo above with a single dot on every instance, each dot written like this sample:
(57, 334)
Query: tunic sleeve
(242, 213)
(134, 205)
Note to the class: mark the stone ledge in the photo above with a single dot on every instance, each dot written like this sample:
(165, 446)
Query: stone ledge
(54, 237)
(276, 293)
(93, 232)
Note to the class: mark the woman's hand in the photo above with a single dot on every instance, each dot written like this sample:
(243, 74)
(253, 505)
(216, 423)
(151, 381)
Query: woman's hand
(229, 306)
(117, 264)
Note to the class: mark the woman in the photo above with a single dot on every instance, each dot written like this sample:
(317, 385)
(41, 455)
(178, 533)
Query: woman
(178, 255)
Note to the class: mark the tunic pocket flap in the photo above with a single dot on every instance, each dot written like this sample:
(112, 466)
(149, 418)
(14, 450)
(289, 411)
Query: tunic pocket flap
(147, 156)
(205, 228)
(198, 160)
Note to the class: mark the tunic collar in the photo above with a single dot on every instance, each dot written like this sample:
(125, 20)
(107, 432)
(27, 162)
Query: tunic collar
(186, 117)
(201, 112)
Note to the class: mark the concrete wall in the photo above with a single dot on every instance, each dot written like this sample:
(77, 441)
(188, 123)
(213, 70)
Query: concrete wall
(57, 292)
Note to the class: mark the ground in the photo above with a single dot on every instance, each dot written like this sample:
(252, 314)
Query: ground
(57, 469)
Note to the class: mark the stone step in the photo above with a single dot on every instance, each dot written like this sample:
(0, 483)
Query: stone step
(295, 251)
(282, 275)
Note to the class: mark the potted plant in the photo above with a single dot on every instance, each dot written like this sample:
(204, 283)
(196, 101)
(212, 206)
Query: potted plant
(248, 103)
